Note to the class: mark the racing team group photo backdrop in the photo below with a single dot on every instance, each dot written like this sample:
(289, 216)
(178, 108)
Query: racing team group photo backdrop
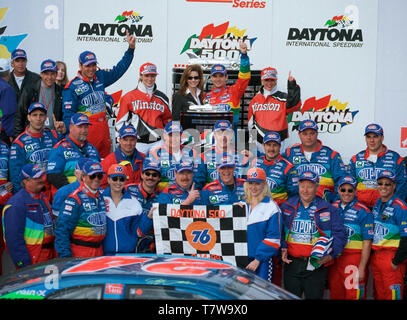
(347, 56)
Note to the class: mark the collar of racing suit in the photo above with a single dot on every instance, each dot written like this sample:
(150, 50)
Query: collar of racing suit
(381, 154)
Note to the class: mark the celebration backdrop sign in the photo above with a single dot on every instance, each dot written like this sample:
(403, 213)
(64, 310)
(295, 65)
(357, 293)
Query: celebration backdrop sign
(215, 232)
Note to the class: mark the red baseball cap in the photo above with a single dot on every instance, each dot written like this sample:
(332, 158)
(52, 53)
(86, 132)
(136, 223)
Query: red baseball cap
(269, 73)
(148, 68)
(256, 175)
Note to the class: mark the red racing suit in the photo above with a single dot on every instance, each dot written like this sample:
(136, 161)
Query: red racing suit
(269, 113)
(144, 113)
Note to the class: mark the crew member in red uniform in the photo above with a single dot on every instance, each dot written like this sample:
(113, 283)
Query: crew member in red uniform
(229, 96)
(145, 108)
(270, 107)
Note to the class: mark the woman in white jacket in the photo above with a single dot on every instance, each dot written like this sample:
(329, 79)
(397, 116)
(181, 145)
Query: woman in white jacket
(126, 221)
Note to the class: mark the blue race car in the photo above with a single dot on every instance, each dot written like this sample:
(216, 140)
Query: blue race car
(138, 276)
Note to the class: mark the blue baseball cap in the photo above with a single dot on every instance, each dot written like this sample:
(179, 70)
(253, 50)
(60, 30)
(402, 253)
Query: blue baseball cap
(172, 126)
(226, 160)
(310, 176)
(81, 162)
(183, 166)
(347, 180)
(87, 57)
(272, 136)
(36, 105)
(48, 65)
(18, 53)
(150, 164)
(374, 128)
(80, 118)
(92, 167)
(31, 170)
(389, 174)
(218, 68)
(127, 131)
(307, 124)
(222, 125)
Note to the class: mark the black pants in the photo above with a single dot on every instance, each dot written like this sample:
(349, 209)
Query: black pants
(299, 280)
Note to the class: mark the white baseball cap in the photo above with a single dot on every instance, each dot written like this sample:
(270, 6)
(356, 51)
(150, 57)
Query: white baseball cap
(4, 65)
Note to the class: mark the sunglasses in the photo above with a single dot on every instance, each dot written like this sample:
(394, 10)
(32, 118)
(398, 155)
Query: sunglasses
(346, 190)
(193, 78)
(386, 184)
(96, 175)
(153, 174)
(121, 179)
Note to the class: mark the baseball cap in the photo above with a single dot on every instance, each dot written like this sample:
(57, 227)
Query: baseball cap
(172, 126)
(269, 73)
(310, 176)
(256, 175)
(87, 57)
(272, 136)
(374, 128)
(92, 167)
(127, 131)
(222, 125)
(150, 164)
(116, 170)
(226, 160)
(347, 180)
(81, 162)
(31, 170)
(48, 65)
(36, 105)
(4, 65)
(184, 165)
(18, 53)
(389, 174)
(80, 118)
(218, 68)
(148, 68)
(307, 124)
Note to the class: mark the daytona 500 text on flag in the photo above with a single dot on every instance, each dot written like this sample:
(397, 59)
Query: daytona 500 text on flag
(214, 232)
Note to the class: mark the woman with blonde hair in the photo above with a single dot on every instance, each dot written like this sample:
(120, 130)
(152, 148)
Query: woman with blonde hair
(263, 224)
(190, 91)
(62, 75)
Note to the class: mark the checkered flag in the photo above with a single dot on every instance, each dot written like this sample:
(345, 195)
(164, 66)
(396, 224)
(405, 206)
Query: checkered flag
(215, 232)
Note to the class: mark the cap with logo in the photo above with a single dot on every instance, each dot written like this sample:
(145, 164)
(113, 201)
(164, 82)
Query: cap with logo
(269, 73)
(36, 106)
(18, 53)
(148, 68)
(92, 167)
(4, 65)
(116, 170)
(307, 124)
(256, 175)
(310, 176)
(172, 126)
(374, 128)
(222, 125)
(31, 170)
(127, 131)
(347, 180)
(226, 160)
(389, 174)
(184, 166)
(80, 118)
(218, 68)
(151, 164)
(81, 162)
(272, 136)
(48, 65)
(87, 58)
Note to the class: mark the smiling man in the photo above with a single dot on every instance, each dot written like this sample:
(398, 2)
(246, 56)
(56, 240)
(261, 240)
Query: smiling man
(368, 163)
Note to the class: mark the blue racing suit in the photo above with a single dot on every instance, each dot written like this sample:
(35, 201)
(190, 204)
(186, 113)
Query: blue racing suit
(175, 194)
(217, 193)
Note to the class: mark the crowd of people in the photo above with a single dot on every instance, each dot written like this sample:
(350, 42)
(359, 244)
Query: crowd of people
(311, 219)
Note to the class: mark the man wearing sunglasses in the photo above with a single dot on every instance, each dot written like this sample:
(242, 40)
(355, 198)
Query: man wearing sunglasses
(81, 224)
(345, 283)
(146, 192)
(126, 155)
(126, 222)
(367, 164)
(390, 239)
(66, 153)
